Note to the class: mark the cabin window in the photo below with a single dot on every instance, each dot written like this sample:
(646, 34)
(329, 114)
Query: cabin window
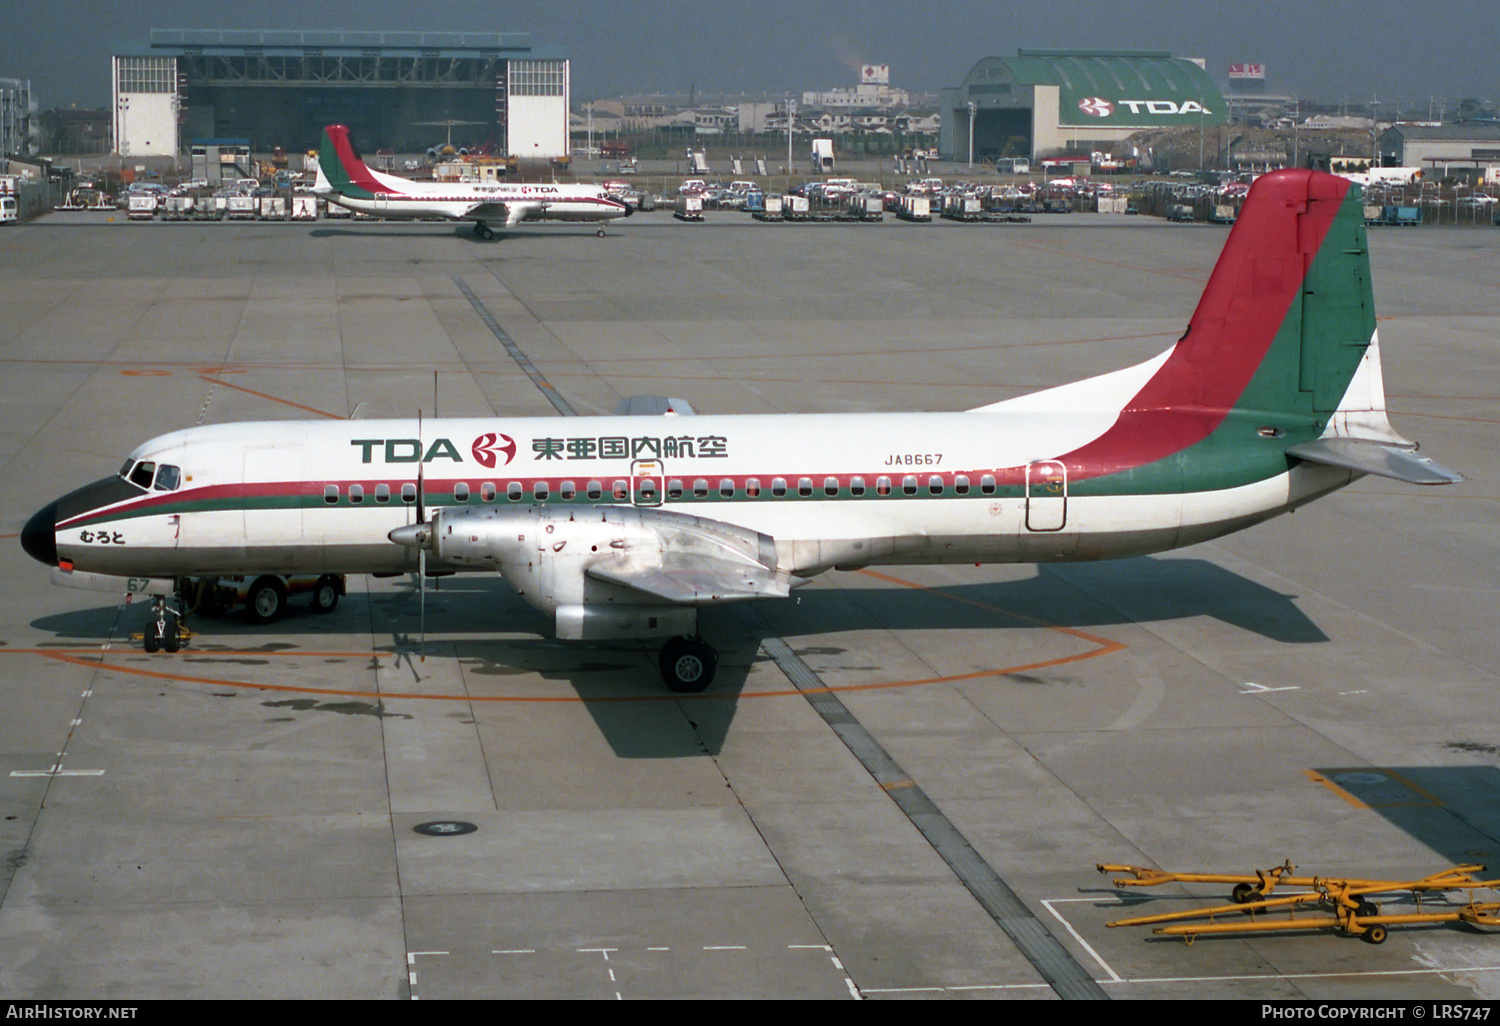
(674, 488)
(700, 489)
(648, 491)
(331, 494)
(566, 491)
(408, 492)
(513, 491)
(987, 484)
(831, 486)
(620, 490)
(461, 492)
(726, 488)
(356, 493)
(143, 473)
(168, 478)
(487, 491)
(856, 486)
(778, 486)
(882, 486)
(595, 489)
(540, 491)
(752, 487)
(909, 484)
(804, 486)
(382, 493)
(935, 484)
(961, 485)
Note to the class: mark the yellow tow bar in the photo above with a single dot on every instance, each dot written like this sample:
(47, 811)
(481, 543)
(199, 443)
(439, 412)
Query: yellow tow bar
(1330, 903)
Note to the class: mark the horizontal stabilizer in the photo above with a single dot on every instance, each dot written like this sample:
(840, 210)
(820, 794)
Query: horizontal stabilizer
(1373, 458)
(707, 581)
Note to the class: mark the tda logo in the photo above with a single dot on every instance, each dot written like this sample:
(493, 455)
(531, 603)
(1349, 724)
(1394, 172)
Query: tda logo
(487, 445)
(412, 450)
(1098, 107)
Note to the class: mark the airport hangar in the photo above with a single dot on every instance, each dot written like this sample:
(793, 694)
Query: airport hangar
(1049, 103)
(393, 89)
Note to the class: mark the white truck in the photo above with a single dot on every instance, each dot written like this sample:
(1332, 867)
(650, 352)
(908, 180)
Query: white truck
(822, 156)
(141, 206)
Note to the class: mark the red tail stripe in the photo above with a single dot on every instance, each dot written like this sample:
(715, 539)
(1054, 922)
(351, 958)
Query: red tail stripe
(355, 168)
(1283, 224)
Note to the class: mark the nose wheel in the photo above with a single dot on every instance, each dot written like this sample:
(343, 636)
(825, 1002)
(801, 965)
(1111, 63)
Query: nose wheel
(688, 664)
(483, 230)
(164, 629)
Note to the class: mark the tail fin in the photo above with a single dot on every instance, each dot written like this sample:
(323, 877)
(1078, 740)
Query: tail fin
(1288, 315)
(1281, 347)
(345, 173)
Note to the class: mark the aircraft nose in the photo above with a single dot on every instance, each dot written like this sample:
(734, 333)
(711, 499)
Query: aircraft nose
(39, 536)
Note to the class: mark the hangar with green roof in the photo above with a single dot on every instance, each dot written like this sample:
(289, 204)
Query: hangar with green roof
(1052, 103)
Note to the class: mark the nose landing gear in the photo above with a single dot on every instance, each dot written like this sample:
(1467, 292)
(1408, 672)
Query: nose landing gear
(164, 630)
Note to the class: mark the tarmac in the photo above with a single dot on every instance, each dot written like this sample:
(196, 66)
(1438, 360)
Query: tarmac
(902, 780)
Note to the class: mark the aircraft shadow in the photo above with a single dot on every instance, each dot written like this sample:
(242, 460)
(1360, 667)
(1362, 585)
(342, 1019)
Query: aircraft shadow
(619, 682)
(1454, 810)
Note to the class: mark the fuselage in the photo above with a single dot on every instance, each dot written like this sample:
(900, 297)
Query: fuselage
(832, 489)
(509, 203)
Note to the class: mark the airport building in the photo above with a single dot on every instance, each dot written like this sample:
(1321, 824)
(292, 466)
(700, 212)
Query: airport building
(1046, 103)
(396, 90)
(1441, 148)
(18, 127)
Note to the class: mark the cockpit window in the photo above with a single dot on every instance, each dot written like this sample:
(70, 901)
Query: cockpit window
(168, 478)
(125, 470)
(143, 473)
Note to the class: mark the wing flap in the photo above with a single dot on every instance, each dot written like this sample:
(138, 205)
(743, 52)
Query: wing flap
(1373, 458)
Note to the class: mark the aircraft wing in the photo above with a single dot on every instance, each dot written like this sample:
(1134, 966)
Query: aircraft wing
(487, 212)
(1374, 458)
(705, 582)
(507, 213)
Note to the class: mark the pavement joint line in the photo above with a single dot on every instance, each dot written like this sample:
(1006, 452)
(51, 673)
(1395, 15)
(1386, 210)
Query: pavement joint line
(523, 361)
(1063, 973)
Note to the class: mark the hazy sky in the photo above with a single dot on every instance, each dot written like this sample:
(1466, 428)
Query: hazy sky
(1388, 49)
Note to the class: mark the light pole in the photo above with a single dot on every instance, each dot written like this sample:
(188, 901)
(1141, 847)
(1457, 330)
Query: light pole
(791, 116)
(971, 135)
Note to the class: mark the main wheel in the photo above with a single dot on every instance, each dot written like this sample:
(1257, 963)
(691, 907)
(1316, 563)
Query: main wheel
(266, 600)
(171, 637)
(325, 594)
(688, 665)
(152, 637)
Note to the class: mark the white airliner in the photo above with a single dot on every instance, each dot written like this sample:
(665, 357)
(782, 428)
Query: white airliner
(621, 527)
(1384, 176)
(345, 179)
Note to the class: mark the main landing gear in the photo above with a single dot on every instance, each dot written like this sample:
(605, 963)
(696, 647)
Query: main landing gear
(484, 231)
(688, 664)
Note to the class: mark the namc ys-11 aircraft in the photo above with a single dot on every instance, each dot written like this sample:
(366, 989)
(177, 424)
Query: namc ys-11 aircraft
(623, 526)
(344, 178)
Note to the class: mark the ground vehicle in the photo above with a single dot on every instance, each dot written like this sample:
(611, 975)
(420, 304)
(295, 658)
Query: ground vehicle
(141, 206)
(7, 209)
(264, 598)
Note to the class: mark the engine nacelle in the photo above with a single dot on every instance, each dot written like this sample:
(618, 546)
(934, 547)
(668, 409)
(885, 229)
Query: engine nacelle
(545, 553)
